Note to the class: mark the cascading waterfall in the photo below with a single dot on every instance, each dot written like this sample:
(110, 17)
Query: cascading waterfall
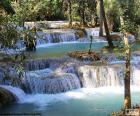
(55, 36)
(99, 76)
(60, 75)
(61, 37)
(102, 76)
(46, 81)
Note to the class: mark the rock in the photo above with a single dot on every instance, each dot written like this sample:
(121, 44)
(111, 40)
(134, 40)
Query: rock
(80, 33)
(6, 97)
(86, 56)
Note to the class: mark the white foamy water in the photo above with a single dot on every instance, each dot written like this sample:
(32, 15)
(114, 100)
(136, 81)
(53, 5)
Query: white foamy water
(46, 99)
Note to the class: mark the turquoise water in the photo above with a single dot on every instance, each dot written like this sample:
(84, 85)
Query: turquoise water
(61, 49)
(100, 104)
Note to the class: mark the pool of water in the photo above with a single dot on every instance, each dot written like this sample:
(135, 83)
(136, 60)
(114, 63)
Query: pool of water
(61, 49)
(82, 102)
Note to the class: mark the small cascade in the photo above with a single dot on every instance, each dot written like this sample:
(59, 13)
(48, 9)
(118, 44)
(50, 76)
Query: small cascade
(38, 82)
(99, 76)
(56, 36)
(40, 42)
(60, 37)
(36, 64)
(15, 91)
(51, 36)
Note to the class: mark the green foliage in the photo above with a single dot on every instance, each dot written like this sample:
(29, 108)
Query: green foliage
(8, 32)
(33, 10)
(113, 14)
(130, 27)
(130, 12)
(36, 10)
(84, 9)
(6, 4)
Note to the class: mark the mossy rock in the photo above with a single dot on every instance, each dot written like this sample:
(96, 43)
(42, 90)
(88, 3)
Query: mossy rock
(6, 97)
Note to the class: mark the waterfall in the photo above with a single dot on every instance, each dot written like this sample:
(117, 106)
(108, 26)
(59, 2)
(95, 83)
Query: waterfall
(40, 42)
(36, 64)
(56, 36)
(60, 37)
(65, 74)
(135, 75)
(101, 76)
(48, 82)
(51, 36)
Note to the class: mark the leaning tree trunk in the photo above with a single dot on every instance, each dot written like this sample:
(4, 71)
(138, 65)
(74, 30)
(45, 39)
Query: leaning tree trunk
(110, 43)
(127, 91)
(70, 13)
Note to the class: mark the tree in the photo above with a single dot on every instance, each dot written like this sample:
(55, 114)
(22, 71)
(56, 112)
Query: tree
(81, 11)
(129, 15)
(127, 91)
(7, 6)
(101, 21)
(103, 17)
(70, 12)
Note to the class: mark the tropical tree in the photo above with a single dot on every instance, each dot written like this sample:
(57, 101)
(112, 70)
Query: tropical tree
(130, 24)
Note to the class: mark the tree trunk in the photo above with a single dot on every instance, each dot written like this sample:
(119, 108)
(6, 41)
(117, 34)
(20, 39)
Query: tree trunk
(96, 20)
(110, 43)
(89, 51)
(83, 13)
(70, 13)
(101, 21)
(127, 91)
